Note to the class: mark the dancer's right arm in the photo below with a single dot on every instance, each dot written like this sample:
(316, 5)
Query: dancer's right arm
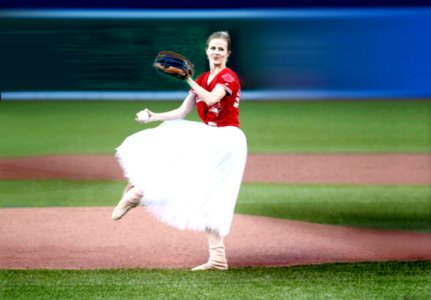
(178, 113)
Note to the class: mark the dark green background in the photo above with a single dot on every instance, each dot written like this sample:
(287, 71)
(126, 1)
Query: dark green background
(106, 54)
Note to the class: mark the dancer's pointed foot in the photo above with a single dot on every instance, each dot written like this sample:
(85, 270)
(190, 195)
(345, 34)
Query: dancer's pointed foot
(217, 260)
(129, 200)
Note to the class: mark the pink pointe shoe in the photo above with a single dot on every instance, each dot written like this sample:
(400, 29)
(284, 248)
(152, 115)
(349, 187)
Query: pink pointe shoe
(217, 260)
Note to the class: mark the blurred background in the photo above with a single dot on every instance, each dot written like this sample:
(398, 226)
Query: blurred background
(286, 51)
(325, 53)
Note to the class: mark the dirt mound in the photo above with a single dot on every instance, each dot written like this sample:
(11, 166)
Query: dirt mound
(86, 238)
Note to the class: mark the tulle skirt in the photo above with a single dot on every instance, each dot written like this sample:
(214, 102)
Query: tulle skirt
(189, 173)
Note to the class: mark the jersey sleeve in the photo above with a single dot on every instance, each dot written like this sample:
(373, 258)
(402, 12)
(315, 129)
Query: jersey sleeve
(229, 82)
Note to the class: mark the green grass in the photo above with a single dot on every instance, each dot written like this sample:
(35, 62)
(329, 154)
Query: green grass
(390, 280)
(388, 207)
(345, 126)
(73, 193)
(374, 206)
(37, 128)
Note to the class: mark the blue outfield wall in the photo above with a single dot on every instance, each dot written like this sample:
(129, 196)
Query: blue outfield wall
(278, 54)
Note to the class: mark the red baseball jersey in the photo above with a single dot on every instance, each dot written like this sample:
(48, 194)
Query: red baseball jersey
(225, 112)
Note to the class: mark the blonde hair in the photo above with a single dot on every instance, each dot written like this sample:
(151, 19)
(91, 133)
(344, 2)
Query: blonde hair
(219, 35)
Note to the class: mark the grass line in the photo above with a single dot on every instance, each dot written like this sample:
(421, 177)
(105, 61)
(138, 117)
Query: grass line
(389, 207)
(376, 280)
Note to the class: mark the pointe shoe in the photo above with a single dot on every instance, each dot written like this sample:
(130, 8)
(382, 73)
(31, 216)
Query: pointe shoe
(217, 260)
(129, 200)
(211, 266)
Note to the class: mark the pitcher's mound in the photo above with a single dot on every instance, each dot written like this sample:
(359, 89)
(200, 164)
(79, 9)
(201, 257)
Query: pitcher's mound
(87, 238)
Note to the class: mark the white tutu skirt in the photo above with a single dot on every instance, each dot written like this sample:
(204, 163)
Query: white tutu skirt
(189, 173)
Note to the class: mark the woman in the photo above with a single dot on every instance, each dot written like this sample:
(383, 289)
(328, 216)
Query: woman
(186, 173)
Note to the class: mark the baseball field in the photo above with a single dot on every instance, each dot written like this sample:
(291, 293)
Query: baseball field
(335, 204)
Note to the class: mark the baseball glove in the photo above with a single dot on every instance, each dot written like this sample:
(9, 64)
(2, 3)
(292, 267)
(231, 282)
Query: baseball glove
(174, 64)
